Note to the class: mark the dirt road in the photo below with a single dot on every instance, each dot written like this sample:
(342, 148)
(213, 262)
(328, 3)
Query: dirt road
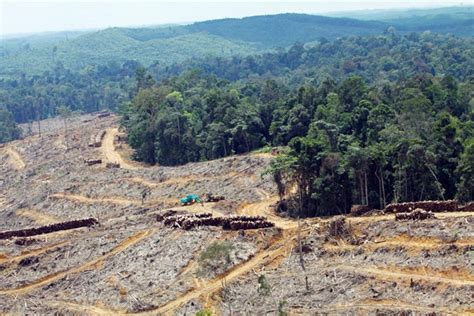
(109, 151)
(388, 274)
(38, 217)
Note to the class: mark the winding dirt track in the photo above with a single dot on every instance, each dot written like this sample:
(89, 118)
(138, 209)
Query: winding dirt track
(38, 217)
(108, 149)
(84, 199)
(33, 252)
(370, 305)
(86, 266)
(15, 159)
(387, 274)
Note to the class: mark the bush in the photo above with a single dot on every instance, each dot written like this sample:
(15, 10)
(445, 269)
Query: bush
(204, 312)
(217, 255)
(264, 287)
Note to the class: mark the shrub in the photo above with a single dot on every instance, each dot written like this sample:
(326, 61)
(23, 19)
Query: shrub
(216, 255)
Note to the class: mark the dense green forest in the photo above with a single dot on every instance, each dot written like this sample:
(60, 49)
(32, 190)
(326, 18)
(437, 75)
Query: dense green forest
(375, 58)
(171, 44)
(8, 128)
(405, 134)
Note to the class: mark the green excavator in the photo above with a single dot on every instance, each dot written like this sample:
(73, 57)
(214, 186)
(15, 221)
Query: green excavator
(191, 199)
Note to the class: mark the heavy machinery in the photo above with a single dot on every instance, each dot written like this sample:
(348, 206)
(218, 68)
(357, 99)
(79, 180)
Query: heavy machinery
(190, 199)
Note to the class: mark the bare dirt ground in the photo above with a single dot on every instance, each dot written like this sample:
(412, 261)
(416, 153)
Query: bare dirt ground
(133, 264)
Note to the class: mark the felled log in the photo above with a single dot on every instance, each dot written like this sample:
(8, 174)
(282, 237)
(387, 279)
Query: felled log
(91, 162)
(415, 215)
(104, 114)
(432, 206)
(49, 228)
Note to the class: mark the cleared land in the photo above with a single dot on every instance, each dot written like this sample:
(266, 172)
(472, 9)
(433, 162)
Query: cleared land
(133, 264)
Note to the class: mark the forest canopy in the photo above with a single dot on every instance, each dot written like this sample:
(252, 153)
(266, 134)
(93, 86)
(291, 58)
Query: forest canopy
(350, 139)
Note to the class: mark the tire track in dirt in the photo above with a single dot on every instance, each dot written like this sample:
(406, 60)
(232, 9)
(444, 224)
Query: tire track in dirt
(263, 208)
(370, 305)
(132, 240)
(407, 242)
(15, 158)
(397, 274)
(110, 153)
(185, 179)
(33, 252)
(38, 217)
(85, 199)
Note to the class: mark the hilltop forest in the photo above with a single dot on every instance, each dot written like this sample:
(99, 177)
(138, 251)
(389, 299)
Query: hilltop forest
(361, 130)
(360, 119)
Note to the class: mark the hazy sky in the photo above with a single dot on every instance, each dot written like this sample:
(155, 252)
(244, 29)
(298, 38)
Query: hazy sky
(18, 16)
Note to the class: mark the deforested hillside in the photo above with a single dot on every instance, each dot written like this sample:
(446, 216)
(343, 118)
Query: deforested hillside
(85, 231)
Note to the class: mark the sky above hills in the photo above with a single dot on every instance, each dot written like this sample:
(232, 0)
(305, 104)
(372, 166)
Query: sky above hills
(17, 17)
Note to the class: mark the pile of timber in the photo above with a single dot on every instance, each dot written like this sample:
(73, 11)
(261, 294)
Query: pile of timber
(432, 206)
(187, 221)
(96, 140)
(49, 228)
(416, 215)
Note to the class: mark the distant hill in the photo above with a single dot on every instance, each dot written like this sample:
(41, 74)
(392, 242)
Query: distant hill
(166, 45)
(285, 29)
(457, 20)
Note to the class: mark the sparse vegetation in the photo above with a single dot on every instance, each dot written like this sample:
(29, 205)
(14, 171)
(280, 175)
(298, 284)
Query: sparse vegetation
(215, 257)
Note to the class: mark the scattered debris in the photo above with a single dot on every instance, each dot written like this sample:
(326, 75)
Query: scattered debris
(214, 198)
(339, 229)
(112, 165)
(358, 210)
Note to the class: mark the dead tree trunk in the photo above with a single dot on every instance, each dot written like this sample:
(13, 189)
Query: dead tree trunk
(300, 249)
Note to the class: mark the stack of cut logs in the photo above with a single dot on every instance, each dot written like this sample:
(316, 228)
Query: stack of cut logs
(49, 228)
(96, 140)
(416, 215)
(432, 206)
(187, 221)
